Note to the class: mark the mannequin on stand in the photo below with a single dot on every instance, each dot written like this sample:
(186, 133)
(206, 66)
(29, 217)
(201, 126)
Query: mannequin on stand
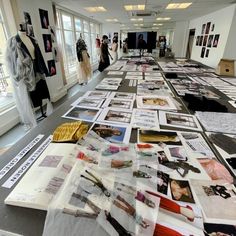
(27, 71)
(98, 46)
(84, 66)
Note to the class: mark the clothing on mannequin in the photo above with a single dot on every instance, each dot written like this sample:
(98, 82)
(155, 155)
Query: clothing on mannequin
(27, 70)
(113, 50)
(84, 66)
(98, 46)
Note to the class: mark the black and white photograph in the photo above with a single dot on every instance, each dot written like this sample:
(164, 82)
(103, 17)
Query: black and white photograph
(216, 41)
(30, 30)
(97, 94)
(88, 102)
(210, 41)
(203, 52)
(119, 116)
(201, 41)
(205, 40)
(207, 53)
(203, 28)
(208, 27)
(119, 103)
(47, 41)
(85, 114)
(52, 68)
(197, 40)
(179, 120)
(122, 95)
(27, 18)
(44, 18)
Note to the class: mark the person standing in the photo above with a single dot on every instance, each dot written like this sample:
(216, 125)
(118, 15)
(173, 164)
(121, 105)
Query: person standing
(104, 57)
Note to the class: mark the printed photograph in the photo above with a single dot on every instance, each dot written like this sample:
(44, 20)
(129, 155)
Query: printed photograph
(178, 153)
(87, 102)
(51, 161)
(197, 40)
(162, 157)
(207, 52)
(86, 114)
(44, 18)
(219, 230)
(201, 41)
(212, 27)
(158, 137)
(52, 68)
(203, 28)
(118, 116)
(47, 41)
(30, 31)
(210, 40)
(53, 33)
(27, 18)
(119, 103)
(208, 27)
(216, 41)
(55, 54)
(163, 180)
(120, 95)
(203, 52)
(181, 191)
(97, 94)
(205, 40)
(111, 133)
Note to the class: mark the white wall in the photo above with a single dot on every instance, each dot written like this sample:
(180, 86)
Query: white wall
(180, 38)
(55, 83)
(223, 24)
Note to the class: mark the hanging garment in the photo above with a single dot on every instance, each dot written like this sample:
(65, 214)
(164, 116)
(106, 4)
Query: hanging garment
(23, 70)
(84, 66)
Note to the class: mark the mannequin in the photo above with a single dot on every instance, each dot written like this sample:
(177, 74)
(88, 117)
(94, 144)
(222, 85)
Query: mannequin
(84, 66)
(27, 71)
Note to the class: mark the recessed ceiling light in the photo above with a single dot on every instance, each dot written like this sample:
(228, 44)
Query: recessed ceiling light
(95, 9)
(112, 20)
(163, 18)
(136, 19)
(160, 24)
(134, 7)
(178, 5)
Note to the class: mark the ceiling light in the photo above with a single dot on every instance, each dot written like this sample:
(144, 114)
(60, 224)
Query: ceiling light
(111, 20)
(160, 24)
(138, 24)
(136, 19)
(134, 7)
(155, 28)
(95, 9)
(163, 18)
(178, 5)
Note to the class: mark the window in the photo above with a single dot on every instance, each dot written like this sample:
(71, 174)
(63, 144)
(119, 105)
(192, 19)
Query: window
(6, 90)
(69, 28)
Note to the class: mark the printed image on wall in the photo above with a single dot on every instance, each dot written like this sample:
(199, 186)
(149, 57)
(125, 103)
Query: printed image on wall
(216, 41)
(44, 18)
(208, 26)
(27, 18)
(201, 40)
(203, 52)
(30, 31)
(197, 41)
(207, 53)
(203, 28)
(47, 41)
(210, 40)
(205, 40)
(52, 67)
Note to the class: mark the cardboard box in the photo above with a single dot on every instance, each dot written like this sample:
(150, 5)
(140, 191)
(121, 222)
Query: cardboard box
(225, 67)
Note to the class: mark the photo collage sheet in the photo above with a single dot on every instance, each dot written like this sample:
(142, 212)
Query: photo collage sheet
(168, 182)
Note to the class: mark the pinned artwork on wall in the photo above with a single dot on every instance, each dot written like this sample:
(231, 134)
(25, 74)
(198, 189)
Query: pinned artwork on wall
(203, 28)
(210, 40)
(201, 40)
(52, 67)
(216, 41)
(197, 40)
(203, 52)
(44, 18)
(205, 40)
(47, 41)
(27, 18)
(30, 30)
(55, 54)
(212, 27)
(207, 52)
(208, 26)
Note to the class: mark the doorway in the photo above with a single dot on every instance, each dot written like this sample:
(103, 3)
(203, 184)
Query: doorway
(190, 43)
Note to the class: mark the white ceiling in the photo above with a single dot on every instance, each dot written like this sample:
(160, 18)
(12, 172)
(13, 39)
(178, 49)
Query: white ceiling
(115, 9)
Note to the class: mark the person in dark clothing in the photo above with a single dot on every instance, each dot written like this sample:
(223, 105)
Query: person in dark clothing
(142, 44)
(104, 58)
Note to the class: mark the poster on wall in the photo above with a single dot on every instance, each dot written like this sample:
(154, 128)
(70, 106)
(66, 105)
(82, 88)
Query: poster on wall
(210, 40)
(207, 52)
(216, 40)
(30, 31)
(203, 28)
(201, 40)
(212, 27)
(44, 18)
(52, 67)
(47, 41)
(27, 18)
(208, 26)
(197, 41)
(203, 52)
(205, 40)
